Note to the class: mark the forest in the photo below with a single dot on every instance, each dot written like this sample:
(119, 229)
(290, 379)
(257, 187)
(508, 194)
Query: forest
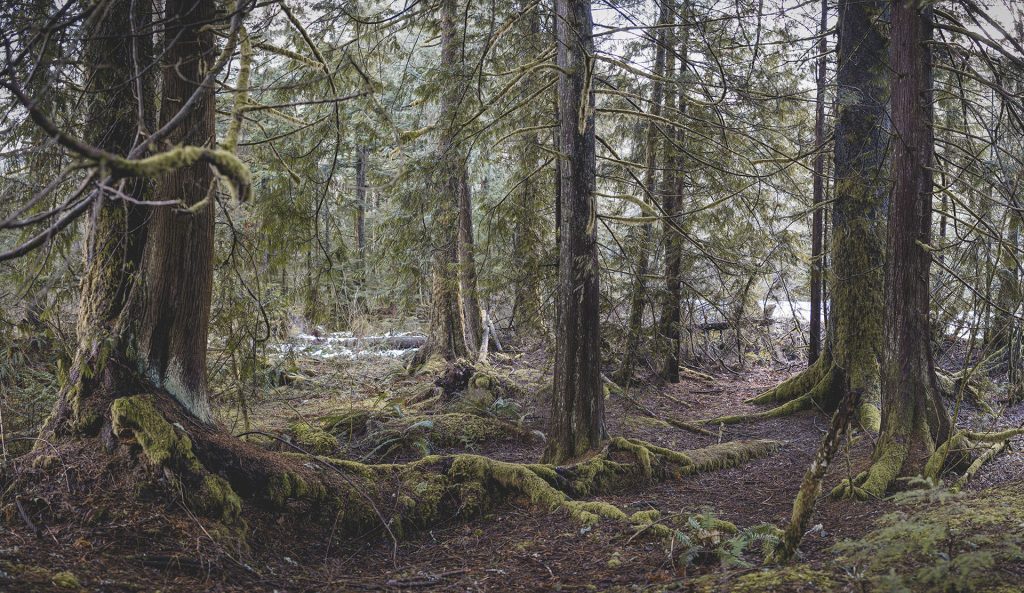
(631, 296)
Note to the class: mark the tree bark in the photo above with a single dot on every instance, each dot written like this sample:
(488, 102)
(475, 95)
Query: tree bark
(914, 419)
(529, 229)
(817, 230)
(858, 217)
(115, 233)
(178, 263)
(854, 339)
(577, 407)
(362, 154)
(670, 312)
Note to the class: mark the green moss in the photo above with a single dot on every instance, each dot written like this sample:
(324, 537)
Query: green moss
(483, 381)
(644, 517)
(66, 580)
(138, 417)
(940, 541)
(217, 499)
(785, 578)
(641, 422)
(284, 486)
(165, 446)
(314, 439)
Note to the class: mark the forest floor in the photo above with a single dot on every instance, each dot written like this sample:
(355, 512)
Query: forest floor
(929, 542)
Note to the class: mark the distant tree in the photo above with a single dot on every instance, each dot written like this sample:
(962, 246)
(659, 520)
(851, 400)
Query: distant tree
(817, 224)
(653, 139)
(446, 336)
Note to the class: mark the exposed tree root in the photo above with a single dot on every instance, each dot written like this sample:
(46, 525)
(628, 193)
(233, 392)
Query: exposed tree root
(982, 459)
(216, 472)
(796, 386)
(810, 487)
(952, 385)
(682, 424)
(885, 470)
(804, 402)
(819, 386)
(874, 482)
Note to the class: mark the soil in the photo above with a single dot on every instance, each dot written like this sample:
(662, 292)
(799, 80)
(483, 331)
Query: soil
(94, 519)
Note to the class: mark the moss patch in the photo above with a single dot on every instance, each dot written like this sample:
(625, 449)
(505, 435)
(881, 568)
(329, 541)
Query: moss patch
(164, 445)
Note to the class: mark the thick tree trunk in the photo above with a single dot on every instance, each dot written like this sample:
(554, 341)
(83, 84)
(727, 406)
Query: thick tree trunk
(638, 292)
(577, 407)
(854, 339)
(858, 217)
(447, 337)
(115, 232)
(819, 191)
(914, 419)
(174, 319)
(467, 265)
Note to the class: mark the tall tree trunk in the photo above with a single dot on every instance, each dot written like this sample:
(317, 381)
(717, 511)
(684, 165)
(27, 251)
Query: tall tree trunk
(178, 263)
(671, 315)
(115, 231)
(858, 217)
(668, 328)
(817, 229)
(914, 419)
(467, 264)
(447, 337)
(854, 340)
(638, 296)
(1008, 294)
(577, 403)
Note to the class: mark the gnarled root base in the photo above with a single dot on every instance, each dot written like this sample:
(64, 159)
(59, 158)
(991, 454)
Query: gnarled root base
(217, 472)
(819, 386)
(955, 453)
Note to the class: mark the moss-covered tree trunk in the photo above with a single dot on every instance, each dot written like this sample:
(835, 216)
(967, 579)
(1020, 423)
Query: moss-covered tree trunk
(638, 291)
(171, 335)
(115, 231)
(577, 406)
(914, 419)
(858, 217)
(446, 336)
(854, 339)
